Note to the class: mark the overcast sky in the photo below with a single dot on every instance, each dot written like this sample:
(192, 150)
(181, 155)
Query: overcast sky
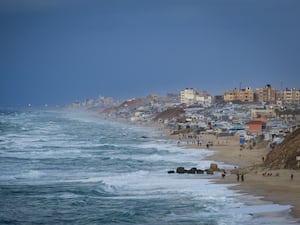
(58, 51)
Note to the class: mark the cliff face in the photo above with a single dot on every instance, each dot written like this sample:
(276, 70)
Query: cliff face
(284, 155)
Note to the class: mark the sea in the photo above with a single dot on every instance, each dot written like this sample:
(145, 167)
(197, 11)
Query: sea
(71, 167)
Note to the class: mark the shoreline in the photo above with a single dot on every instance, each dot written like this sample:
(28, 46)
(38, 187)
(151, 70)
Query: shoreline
(277, 189)
(274, 186)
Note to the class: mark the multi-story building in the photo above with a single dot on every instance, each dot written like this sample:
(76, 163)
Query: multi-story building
(266, 94)
(289, 96)
(262, 114)
(187, 96)
(230, 96)
(243, 95)
(246, 95)
(190, 96)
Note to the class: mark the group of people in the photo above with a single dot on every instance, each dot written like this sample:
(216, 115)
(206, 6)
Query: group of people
(277, 175)
(190, 139)
(238, 176)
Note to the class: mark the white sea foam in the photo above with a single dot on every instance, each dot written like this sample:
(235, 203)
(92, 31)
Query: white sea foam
(144, 184)
(30, 175)
(112, 161)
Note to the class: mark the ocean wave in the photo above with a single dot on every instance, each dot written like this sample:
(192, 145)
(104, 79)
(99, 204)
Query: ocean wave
(77, 168)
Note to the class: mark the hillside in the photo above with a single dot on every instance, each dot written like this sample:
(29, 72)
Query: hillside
(170, 113)
(284, 155)
(130, 104)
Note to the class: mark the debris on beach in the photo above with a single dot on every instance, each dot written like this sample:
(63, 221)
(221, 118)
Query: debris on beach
(210, 171)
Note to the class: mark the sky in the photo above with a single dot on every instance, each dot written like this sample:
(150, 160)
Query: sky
(58, 51)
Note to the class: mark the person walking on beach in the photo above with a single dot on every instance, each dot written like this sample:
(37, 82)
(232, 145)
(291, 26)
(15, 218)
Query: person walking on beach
(292, 176)
(223, 175)
(238, 177)
(242, 177)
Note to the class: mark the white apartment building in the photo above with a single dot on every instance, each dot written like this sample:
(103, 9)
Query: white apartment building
(190, 96)
(187, 96)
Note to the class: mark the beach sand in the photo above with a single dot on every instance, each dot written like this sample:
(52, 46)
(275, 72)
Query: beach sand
(277, 187)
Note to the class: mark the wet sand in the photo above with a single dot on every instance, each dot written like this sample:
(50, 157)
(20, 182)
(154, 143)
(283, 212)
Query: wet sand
(277, 187)
(271, 185)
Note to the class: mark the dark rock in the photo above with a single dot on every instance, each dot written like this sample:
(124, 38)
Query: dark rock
(181, 170)
(192, 170)
(200, 171)
(171, 171)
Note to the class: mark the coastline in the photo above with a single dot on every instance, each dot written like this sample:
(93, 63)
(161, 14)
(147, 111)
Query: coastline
(277, 187)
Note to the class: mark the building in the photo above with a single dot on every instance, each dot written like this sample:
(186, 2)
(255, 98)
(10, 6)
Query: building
(187, 96)
(218, 99)
(230, 96)
(256, 126)
(206, 100)
(262, 114)
(289, 96)
(190, 96)
(266, 94)
(243, 95)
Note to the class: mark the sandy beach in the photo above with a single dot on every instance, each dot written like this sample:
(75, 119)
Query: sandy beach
(271, 185)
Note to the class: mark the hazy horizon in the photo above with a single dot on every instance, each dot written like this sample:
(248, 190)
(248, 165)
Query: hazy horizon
(56, 52)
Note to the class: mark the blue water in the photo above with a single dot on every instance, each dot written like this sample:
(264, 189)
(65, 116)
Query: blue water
(60, 167)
